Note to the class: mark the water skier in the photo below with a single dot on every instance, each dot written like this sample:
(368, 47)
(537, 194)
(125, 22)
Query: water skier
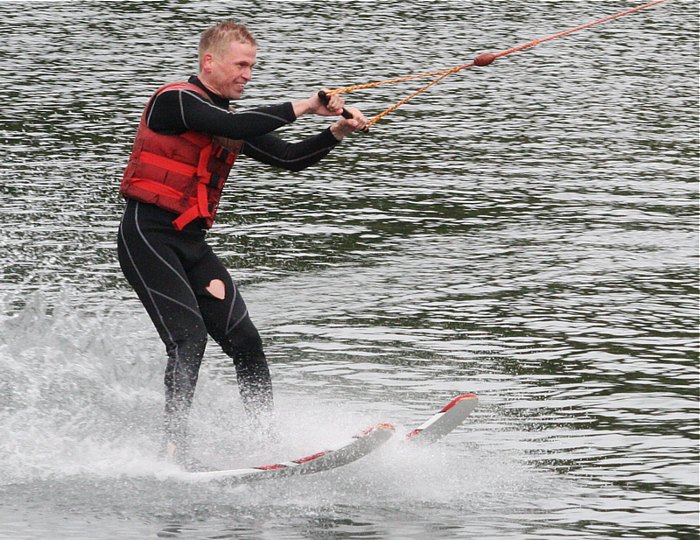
(186, 143)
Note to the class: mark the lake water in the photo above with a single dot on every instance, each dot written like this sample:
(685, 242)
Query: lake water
(526, 231)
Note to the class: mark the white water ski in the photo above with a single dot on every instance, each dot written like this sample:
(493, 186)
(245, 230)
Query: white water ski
(450, 416)
(446, 420)
(359, 446)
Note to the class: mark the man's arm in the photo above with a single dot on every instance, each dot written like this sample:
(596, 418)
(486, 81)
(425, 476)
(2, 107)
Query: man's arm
(274, 151)
(176, 111)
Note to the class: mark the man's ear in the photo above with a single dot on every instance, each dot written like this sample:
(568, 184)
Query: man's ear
(207, 61)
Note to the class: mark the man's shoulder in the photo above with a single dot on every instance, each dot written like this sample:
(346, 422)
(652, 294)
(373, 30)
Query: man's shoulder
(162, 112)
(182, 85)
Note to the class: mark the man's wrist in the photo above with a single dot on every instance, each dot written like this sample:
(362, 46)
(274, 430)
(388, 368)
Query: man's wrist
(301, 107)
(337, 132)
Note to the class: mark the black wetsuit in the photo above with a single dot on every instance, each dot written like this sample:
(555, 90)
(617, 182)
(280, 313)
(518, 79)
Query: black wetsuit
(172, 271)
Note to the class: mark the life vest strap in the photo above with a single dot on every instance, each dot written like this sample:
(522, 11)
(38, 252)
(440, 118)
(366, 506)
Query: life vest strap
(157, 188)
(168, 164)
(198, 210)
(201, 208)
(186, 217)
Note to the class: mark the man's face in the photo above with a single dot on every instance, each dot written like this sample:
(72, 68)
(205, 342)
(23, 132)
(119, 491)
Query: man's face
(228, 73)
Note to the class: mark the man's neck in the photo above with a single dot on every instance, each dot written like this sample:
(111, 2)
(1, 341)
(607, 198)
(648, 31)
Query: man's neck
(216, 98)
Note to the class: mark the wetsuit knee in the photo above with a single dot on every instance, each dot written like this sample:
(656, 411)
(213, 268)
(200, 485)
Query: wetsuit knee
(243, 340)
(187, 342)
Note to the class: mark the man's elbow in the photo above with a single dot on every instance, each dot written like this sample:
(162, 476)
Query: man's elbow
(296, 167)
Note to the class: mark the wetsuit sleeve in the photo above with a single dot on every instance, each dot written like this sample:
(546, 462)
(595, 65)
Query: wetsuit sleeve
(176, 111)
(274, 151)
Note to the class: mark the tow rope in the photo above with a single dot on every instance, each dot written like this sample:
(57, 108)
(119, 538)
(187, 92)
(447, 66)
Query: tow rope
(484, 59)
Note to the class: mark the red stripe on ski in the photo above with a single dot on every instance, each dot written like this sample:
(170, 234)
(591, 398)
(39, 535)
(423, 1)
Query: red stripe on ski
(311, 457)
(271, 467)
(456, 400)
(317, 455)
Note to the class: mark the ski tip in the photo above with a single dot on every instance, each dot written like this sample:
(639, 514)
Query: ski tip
(463, 397)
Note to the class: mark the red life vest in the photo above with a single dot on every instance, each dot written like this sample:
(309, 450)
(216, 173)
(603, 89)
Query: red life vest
(181, 173)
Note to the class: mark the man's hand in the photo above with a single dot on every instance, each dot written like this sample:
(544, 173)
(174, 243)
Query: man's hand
(333, 107)
(315, 105)
(345, 126)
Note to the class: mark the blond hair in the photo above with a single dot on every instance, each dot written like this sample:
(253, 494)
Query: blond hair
(216, 38)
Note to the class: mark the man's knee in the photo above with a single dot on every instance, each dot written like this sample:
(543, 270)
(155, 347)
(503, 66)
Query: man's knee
(187, 342)
(243, 340)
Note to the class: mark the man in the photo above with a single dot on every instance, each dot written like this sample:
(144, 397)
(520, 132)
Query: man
(186, 143)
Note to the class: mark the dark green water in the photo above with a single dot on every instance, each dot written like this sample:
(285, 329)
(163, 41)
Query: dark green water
(526, 231)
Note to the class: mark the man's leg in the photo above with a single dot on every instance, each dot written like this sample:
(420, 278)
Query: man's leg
(227, 320)
(157, 275)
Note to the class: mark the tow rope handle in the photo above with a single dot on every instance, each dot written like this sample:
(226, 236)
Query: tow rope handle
(346, 114)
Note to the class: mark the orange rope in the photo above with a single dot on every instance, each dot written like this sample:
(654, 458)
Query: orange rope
(389, 81)
(481, 60)
(535, 42)
(381, 115)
